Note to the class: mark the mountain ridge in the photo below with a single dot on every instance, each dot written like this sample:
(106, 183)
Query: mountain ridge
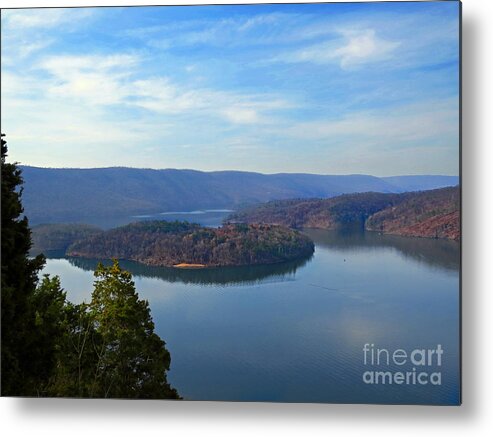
(233, 171)
(54, 195)
(430, 213)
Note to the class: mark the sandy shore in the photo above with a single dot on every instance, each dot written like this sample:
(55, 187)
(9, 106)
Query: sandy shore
(189, 266)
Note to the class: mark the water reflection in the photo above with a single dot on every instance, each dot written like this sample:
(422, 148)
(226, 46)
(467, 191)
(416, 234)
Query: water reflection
(244, 275)
(212, 218)
(432, 252)
(295, 332)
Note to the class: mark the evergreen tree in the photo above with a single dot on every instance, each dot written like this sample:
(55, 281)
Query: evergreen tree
(108, 348)
(51, 347)
(52, 324)
(76, 360)
(18, 281)
(132, 359)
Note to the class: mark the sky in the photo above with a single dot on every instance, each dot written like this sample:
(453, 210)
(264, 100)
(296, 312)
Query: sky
(341, 88)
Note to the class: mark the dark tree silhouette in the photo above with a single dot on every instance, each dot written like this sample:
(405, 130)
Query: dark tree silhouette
(19, 279)
(44, 347)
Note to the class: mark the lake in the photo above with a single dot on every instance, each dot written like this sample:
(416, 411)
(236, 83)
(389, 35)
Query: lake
(295, 332)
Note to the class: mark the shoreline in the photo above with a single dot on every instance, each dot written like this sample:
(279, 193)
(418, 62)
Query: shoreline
(189, 266)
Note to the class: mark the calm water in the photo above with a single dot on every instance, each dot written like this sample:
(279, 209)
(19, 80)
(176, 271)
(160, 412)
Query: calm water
(206, 217)
(296, 332)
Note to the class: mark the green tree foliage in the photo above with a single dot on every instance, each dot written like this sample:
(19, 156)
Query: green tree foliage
(108, 348)
(132, 359)
(51, 347)
(19, 278)
(52, 323)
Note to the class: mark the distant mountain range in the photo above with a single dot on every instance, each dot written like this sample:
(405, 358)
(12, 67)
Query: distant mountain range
(74, 195)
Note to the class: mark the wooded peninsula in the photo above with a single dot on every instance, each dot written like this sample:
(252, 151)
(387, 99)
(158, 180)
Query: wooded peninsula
(430, 213)
(189, 245)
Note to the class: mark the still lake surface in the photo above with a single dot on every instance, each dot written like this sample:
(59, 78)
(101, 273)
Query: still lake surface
(295, 332)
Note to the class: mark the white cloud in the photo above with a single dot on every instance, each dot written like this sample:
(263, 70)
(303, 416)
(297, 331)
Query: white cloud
(95, 79)
(241, 115)
(62, 133)
(45, 18)
(110, 80)
(354, 48)
(261, 29)
(100, 100)
(32, 18)
(426, 122)
(16, 85)
(26, 32)
(262, 20)
(161, 95)
(28, 48)
(364, 47)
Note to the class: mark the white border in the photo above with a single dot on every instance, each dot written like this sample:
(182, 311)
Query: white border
(475, 417)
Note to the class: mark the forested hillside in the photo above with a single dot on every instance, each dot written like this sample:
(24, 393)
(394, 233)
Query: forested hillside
(318, 213)
(181, 244)
(77, 195)
(433, 213)
(60, 236)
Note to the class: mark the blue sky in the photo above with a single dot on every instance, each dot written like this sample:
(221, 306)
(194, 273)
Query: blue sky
(330, 88)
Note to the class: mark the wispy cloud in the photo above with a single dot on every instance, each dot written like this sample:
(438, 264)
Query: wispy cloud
(94, 79)
(234, 87)
(242, 115)
(352, 48)
(262, 29)
(364, 46)
(111, 80)
(161, 95)
(28, 48)
(32, 19)
(29, 31)
(431, 120)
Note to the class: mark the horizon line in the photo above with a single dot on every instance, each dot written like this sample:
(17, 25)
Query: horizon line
(232, 171)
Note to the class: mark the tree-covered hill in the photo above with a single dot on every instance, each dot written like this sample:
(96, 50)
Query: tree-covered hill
(317, 213)
(432, 213)
(77, 195)
(182, 244)
(59, 236)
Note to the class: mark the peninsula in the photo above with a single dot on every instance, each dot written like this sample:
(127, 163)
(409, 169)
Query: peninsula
(430, 213)
(188, 245)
